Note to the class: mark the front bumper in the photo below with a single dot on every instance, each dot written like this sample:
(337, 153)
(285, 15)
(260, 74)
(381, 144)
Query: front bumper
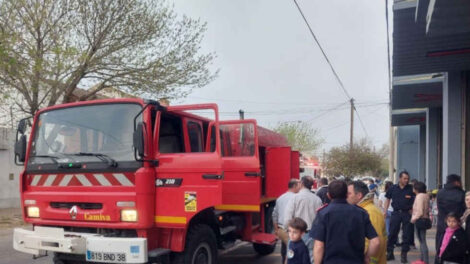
(96, 248)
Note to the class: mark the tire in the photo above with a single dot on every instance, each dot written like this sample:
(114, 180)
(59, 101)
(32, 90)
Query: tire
(200, 247)
(264, 249)
(56, 260)
(61, 258)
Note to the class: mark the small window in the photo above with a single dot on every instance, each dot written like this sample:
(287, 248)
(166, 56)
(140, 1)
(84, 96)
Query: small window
(222, 141)
(195, 136)
(171, 136)
(238, 139)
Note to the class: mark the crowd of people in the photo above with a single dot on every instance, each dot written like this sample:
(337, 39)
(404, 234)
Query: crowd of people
(352, 222)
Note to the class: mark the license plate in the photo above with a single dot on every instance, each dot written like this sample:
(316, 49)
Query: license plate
(110, 257)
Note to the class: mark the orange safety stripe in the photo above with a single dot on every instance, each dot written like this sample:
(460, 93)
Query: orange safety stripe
(238, 207)
(170, 219)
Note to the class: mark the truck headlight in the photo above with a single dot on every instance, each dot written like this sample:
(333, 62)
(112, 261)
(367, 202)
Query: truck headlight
(32, 211)
(129, 215)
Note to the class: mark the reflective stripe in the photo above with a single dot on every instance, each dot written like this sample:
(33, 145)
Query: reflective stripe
(238, 207)
(83, 180)
(65, 181)
(170, 219)
(50, 180)
(35, 180)
(102, 180)
(122, 179)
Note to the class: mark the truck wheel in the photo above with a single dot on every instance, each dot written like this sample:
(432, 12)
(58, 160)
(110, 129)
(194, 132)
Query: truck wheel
(60, 258)
(263, 249)
(201, 247)
(58, 261)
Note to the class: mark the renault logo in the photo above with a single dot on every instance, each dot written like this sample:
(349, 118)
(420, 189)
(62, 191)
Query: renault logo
(73, 212)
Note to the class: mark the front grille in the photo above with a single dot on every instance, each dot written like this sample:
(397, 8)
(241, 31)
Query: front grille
(84, 206)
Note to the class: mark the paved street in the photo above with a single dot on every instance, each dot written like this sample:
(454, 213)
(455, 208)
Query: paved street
(241, 253)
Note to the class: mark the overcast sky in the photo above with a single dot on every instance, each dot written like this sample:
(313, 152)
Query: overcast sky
(271, 67)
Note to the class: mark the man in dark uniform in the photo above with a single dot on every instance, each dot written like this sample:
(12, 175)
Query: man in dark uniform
(402, 197)
(340, 229)
(323, 190)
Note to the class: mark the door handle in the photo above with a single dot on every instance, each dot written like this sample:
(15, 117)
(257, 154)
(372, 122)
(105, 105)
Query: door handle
(213, 176)
(252, 174)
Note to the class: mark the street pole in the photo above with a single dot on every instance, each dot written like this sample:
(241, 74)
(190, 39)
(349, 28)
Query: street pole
(352, 125)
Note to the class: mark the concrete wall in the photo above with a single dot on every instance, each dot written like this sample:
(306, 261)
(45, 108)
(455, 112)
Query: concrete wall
(9, 172)
(408, 150)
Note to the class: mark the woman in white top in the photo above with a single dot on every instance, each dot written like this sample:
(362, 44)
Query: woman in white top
(421, 210)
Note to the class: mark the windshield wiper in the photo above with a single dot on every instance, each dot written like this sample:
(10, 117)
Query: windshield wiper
(53, 158)
(105, 158)
(61, 161)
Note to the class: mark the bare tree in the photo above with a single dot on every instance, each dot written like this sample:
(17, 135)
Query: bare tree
(50, 47)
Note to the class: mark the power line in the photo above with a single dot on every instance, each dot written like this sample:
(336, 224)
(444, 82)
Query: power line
(328, 111)
(258, 102)
(360, 121)
(296, 111)
(329, 63)
(374, 111)
(323, 52)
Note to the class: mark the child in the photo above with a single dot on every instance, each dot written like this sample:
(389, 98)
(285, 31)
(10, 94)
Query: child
(453, 244)
(297, 252)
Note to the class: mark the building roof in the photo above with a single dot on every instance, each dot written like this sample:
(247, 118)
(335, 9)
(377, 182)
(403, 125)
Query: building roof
(423, 40)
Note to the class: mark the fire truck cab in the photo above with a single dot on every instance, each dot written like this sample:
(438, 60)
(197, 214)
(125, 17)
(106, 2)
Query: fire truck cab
(131, 181)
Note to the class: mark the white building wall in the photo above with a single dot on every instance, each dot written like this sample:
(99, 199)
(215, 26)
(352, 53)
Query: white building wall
(9, 172)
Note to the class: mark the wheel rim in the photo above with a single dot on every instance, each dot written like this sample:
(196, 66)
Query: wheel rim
(202, 254)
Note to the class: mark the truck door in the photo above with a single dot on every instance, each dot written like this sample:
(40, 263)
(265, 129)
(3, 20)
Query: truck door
(188, 178)
(240, 163)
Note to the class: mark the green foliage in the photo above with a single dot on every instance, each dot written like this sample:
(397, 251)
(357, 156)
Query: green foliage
(301, 136)
(362, 159)
(48, 48)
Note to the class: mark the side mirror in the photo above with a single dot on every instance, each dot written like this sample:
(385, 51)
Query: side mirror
(20, 150)
(138, 139)
(22, 125)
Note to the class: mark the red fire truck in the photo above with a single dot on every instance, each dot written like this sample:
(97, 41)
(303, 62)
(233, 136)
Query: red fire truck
(131, 181)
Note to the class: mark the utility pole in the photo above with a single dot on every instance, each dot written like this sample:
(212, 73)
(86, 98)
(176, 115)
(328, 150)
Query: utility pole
(352, 125)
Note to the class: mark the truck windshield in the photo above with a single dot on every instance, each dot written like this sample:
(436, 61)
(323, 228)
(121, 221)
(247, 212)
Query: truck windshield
(104, 129)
